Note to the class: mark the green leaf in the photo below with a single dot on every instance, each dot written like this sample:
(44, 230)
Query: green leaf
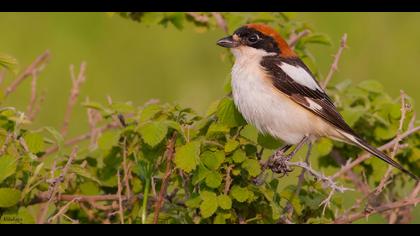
(231, 145)
(224, 202)
(194, 202)
(8, 62)
(35, 142)
(385, 133)
(317, 39)
(9, 197)
(228, 114)
(252, 166)
(186, 157)
(323, 146)
(153, 133)
(84, 173)
(289, 194)
(239, 156)
(216, 129)
(108, 140)
(89, 188)
(267, 141)
(213, 160)
(201, 174)
(7, 167)
(213, 180)
(371, 86)
(209, 204)
(239, 194)
(219, 219)
(352, 114)
(150, 112)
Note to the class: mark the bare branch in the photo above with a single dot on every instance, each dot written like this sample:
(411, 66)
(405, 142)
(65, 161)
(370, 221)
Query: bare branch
(327, 181)
(404, 109)
(120, 199)
(380, 209)
(74, 94)
(55, 183)
(199, 18)
(80, 138)
(220, 21)
(334, 65)
(228, 180)
(170, 152)
(30, 70)
(294, 38)
(63, 210)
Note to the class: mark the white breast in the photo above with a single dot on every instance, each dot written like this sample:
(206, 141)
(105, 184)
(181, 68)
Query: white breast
(267, 108)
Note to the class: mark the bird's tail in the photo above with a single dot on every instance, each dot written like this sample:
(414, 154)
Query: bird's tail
(374, 151)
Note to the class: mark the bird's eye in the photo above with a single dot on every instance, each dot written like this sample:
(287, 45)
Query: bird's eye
(253, 38)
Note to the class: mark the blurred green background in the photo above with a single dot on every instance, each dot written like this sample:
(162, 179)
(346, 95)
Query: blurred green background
(131, 62)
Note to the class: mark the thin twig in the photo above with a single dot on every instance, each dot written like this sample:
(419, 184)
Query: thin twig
(228, 180)
(334, 65)
(62, 210)
(170, 152)
(126, 170)
(294, 38)
(327, 181)
(2, 76)
(74, 94)
(33, 99)
(384, 180)
(80, 138)
(380, 209)
(204, 19)
(120, 199)
(30, 70)
(301, 179)
(55, 185)
(220, 21)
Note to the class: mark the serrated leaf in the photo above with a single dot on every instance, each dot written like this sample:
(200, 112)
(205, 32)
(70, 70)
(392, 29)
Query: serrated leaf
(9, 197)
(231, 145)
(153, 133)
(213, 180)
(215, 129)
(317, 39)
(35, 142)
(150, 112)
(252, 166)
(371, 86)
(219, 219)
(200, 175)
(108, 139)
(84, 173)
(239, 156)
(228, 114)
(224, 202)
(209, 204)
(193, 202)
(186, 157)
(239, 194)
(8, 166)
(213, 160)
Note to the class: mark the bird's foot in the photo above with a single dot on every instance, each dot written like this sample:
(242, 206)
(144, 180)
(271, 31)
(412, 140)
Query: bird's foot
(279, 164)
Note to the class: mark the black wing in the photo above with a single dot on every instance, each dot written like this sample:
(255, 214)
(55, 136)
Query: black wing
(302, 94)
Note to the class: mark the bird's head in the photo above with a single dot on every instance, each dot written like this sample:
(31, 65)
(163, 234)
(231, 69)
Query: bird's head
(256, 39)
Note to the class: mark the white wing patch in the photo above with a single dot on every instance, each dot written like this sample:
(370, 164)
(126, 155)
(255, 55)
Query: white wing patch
(300, 75)
(313, 105)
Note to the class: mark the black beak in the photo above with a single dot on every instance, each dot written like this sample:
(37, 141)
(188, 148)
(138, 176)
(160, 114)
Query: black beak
(228, 42)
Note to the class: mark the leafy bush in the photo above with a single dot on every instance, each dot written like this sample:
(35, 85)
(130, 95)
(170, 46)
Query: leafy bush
(163, 163)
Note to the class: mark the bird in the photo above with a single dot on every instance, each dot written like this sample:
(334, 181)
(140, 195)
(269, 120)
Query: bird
(276, 92)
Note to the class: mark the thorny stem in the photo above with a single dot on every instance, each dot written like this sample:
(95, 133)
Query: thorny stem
(145, 199)
(334, 65)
